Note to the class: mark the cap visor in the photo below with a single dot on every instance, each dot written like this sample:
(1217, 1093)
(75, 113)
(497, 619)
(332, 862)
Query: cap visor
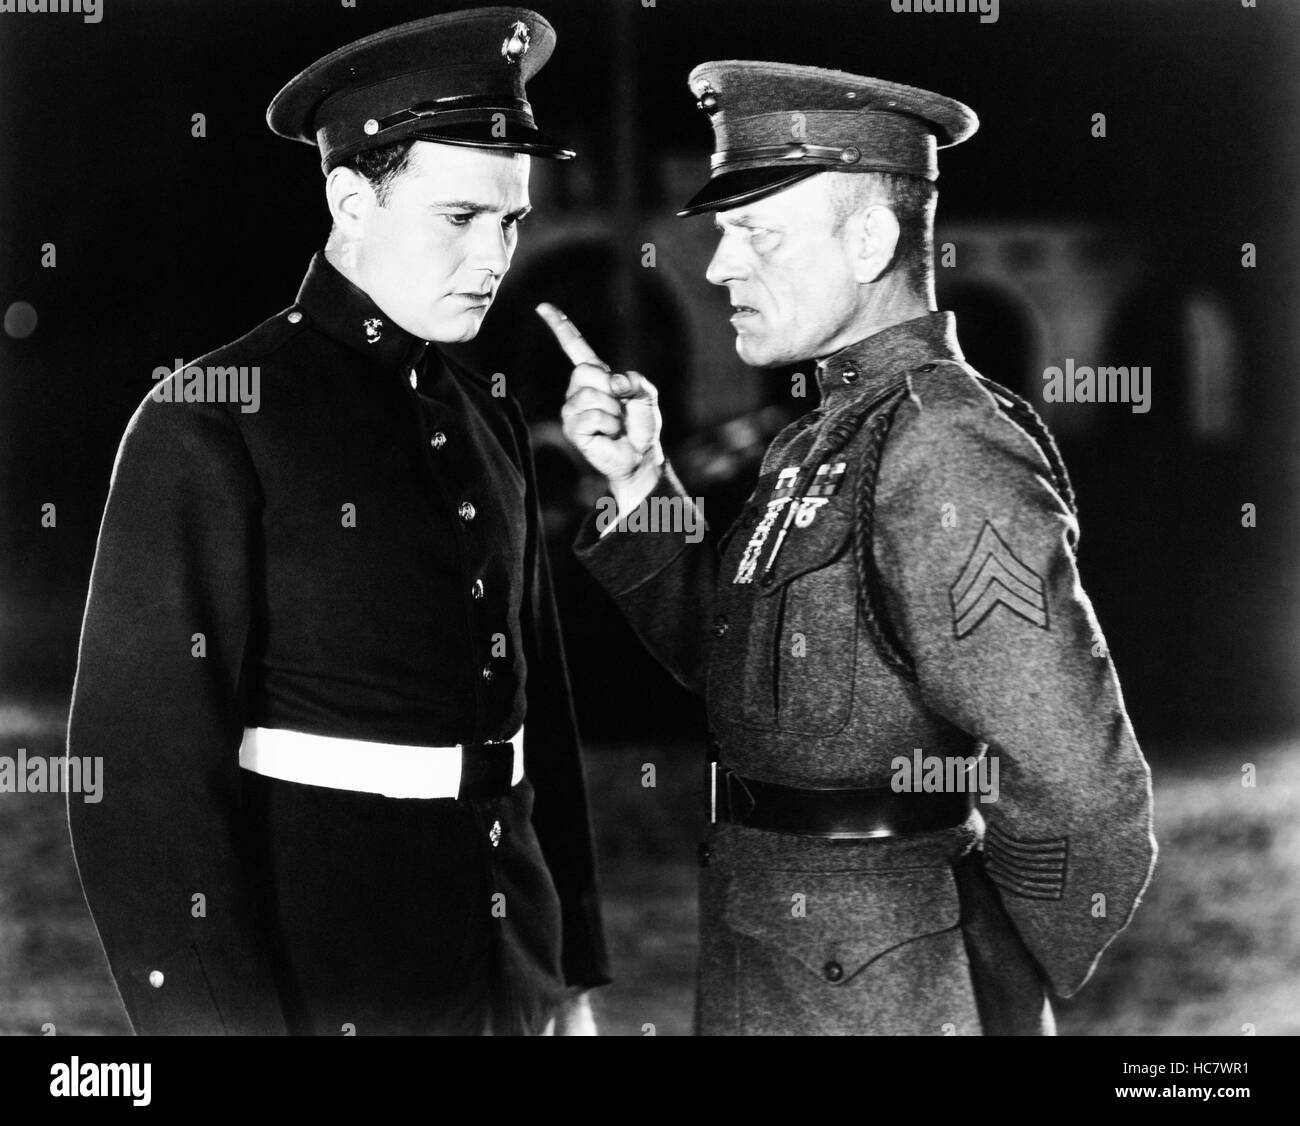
(731, 189)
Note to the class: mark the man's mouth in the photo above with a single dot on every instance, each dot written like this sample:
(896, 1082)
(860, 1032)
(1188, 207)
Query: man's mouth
(739, 311)
(476, 298)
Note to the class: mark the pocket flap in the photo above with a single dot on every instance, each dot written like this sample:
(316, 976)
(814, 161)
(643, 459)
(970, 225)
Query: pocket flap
(836, 924)
(818, 544)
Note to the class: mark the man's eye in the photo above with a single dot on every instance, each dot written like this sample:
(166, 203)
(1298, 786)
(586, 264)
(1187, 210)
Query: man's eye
(510, 222)
(462, 220)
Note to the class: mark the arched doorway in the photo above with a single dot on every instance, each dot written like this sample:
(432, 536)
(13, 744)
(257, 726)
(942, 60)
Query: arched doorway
(996, 332)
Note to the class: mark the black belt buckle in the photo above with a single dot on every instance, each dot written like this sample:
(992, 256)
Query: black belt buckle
(486, 770)
(731, 800)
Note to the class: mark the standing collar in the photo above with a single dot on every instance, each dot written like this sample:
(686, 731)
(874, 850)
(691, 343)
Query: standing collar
(862, 367)
(346, 313)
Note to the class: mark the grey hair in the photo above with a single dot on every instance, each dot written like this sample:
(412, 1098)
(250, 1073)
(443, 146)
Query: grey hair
(911, 199)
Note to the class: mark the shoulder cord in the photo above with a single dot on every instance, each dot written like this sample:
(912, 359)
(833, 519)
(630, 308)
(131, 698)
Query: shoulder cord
(1027, 418)
(871, 599)
(871, 596)
(878, 414)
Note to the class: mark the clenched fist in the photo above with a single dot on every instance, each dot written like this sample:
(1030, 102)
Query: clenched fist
(612, 418)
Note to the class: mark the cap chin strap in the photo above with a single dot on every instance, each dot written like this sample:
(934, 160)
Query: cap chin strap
(831, 154)
(458, 104)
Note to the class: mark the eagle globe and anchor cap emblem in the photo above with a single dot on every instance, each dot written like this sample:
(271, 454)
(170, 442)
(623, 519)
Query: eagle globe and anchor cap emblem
(374, 329)
(516, 43)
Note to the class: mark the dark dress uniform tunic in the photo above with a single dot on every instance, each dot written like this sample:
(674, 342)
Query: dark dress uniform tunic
(955, 930)
(421, 615)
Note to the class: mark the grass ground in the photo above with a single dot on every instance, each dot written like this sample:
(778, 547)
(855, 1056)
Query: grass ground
(1215, 947)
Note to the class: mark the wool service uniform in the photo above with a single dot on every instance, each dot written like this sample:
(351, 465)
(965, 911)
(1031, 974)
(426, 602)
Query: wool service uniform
(900, 591)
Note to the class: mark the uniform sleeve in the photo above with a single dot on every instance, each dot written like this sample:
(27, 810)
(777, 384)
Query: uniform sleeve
(167, 619)
(554, 761)
(973, 543)
(661, 581)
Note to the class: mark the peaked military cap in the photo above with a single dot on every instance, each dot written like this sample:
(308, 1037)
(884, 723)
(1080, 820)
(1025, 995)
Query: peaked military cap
(775, 124)
(456, 78)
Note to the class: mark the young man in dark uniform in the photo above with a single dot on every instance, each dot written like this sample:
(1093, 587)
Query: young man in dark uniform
(320, 657)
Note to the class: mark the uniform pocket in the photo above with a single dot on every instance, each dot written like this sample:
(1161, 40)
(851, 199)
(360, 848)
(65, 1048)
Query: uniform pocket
(813, 618)
(855, 953)
(788, 656)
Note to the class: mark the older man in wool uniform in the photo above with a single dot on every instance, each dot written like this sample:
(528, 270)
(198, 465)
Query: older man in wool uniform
(901, 588)
(321, 658)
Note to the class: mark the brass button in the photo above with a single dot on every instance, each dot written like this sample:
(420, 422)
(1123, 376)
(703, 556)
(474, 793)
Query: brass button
(414, 378)
(156, 978)
(371, 127)
(488, 674)
(438, 440)
(295, 317)
(849, 376)
(719, 625)
(477, 589)
(833, 971)
(467, 511)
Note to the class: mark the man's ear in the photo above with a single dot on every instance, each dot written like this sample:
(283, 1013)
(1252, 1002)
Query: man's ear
(874, 233)
(351, 199)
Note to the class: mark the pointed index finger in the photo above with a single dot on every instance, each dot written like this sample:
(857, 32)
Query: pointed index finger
(568, 336)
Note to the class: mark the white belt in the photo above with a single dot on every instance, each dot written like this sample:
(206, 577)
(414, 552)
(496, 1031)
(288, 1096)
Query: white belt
(390, 769)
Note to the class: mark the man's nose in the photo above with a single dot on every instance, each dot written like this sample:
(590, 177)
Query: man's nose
(725, 265)
(492, 249)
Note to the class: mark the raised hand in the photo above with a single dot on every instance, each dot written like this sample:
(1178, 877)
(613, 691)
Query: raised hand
(612, 418)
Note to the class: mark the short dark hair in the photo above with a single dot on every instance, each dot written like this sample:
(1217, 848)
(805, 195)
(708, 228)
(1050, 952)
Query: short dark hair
(911, 199)
(382, 165)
